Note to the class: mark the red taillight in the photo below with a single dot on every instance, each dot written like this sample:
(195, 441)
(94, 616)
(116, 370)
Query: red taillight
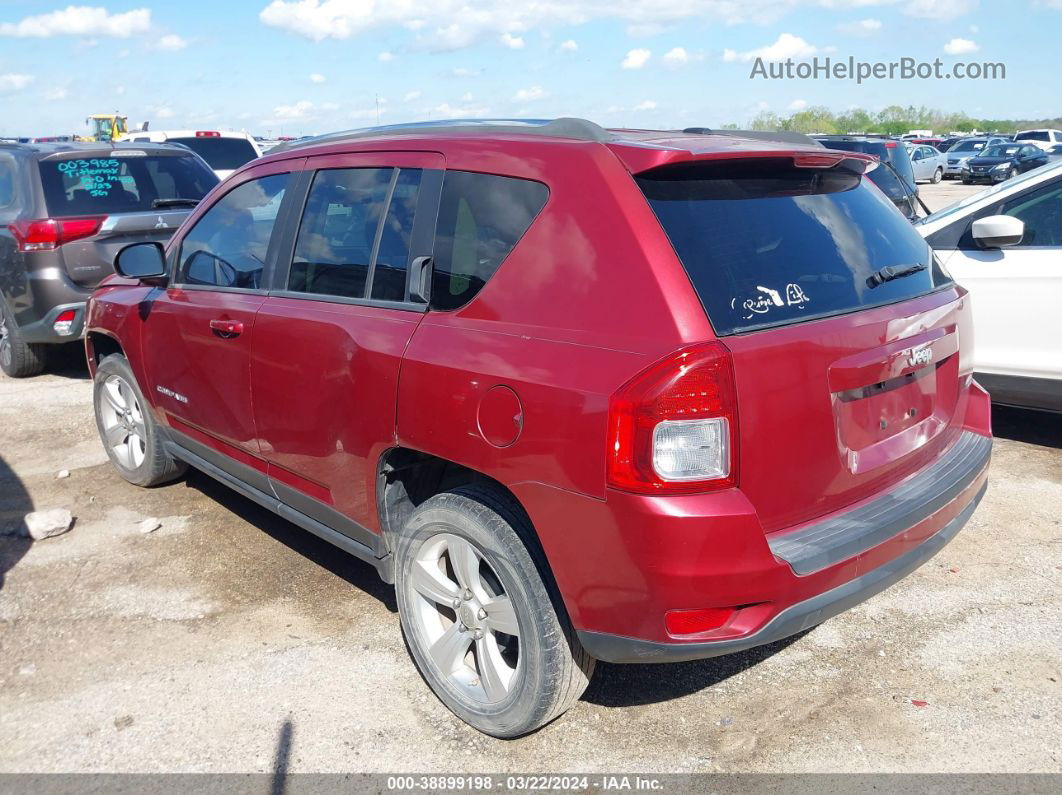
(673, 428)
(890, 144)
(207, 134)
(694, 622)
(50, 233)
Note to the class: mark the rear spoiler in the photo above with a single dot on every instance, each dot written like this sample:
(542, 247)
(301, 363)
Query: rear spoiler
(783, 137)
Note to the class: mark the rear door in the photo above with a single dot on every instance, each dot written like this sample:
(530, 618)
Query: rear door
(129, 195)
(198, 332)
(846, 335)
(330, 337)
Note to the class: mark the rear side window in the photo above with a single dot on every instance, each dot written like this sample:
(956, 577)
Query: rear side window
(481, 218)
(223, 154)
(1035, 135)
(227, 247)
(769, 244)
(122, 184)
(7, 181)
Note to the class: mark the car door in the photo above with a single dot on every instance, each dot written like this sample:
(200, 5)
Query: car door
(1016, 291)
(198, 331)
(330, 337)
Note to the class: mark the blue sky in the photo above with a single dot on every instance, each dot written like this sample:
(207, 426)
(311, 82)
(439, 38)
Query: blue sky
(309, 66)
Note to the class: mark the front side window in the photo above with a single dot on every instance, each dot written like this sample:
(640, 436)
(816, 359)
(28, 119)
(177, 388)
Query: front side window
(1041, 211)
(481, 218)
(227, 246)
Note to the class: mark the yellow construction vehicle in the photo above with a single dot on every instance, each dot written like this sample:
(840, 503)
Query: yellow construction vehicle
(105, 127)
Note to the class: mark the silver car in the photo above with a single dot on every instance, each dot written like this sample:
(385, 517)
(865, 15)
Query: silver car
(928, 162)
(965, 149)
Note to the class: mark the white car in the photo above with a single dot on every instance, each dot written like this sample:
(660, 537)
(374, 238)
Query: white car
(1044, 139)
(224, 150)
(928, 162)
(1004, 245)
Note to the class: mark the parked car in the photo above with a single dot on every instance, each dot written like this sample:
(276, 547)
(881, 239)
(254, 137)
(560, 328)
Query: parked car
(1054, 153)
(551, 380)
(928, 163)
(1004, 245)
(963, 150)
(65, 211)
(946, 144)
(224, 150)
(1000, 162)
(1044, 139)
(895, 177)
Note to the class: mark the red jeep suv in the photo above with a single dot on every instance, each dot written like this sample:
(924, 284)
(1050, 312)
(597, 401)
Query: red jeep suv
(580, 394)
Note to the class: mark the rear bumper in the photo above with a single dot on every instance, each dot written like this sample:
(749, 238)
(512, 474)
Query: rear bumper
(40, 296)
(794, 619)
(44, 331)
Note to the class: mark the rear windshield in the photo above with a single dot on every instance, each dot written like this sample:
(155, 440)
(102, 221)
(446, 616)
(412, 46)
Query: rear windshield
(223, 154)
(769, 244)
(125, 183)
(1034, 135)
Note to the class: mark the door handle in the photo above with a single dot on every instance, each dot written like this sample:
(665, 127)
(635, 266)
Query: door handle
(226, 329)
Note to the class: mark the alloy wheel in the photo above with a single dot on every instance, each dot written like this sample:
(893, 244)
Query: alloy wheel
(124, 429)
(466, 619)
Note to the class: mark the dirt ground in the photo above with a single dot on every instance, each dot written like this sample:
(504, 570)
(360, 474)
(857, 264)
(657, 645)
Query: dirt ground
(229, 635)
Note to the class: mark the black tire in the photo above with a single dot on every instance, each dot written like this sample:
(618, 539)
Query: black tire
(552, 669)
(18, 358)
(156, 466)
(967, 181)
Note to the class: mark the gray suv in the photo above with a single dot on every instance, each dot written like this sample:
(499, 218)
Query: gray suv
(65, 211)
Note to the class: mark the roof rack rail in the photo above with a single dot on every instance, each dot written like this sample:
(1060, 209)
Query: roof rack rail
(574, 129)
(781, 136)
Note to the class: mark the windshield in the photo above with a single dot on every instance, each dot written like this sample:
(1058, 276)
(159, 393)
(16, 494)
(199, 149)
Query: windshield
(768, 244)
(121, 182)
(223, 154)
(968, 146)
(1000, 151)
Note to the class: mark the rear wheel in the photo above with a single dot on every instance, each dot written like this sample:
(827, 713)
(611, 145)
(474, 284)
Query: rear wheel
(18, 358)
(478, 617)
(938, 175)
(127, 428)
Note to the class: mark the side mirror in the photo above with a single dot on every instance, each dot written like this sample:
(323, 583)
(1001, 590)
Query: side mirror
(998, 231)
(142, 261)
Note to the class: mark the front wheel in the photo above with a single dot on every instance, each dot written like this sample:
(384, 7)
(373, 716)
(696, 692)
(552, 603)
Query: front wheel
(478, 618)
(938, 175)
(128, 430)
(967, 181)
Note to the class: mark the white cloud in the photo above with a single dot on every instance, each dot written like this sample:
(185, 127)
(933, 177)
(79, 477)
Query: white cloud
(411, 96)
(385, 57)
(960, 47)
(452, 24)
(864, 27)
(14, 82)
(79, 21)
(571, 46)
(317, 78)
(163, 112)
(645, 104)
(943, 10)
(787, 46)
(676, 56)
(636, 59)
(511, 41)
(798, 104)
(530, 94)
(172, 43)
(329, 106)
(448, 111)
(55, 94)
(299, 110)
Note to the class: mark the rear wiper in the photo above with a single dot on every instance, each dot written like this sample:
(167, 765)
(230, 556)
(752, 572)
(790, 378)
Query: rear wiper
(890, 272)
(174, 203)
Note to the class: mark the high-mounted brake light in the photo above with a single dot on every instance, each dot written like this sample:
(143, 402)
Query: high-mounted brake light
(673, 428)
(47, 234)
(817, 161)
(207, 134)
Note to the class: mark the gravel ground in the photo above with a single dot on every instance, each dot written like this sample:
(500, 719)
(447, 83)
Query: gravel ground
(228, 633)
